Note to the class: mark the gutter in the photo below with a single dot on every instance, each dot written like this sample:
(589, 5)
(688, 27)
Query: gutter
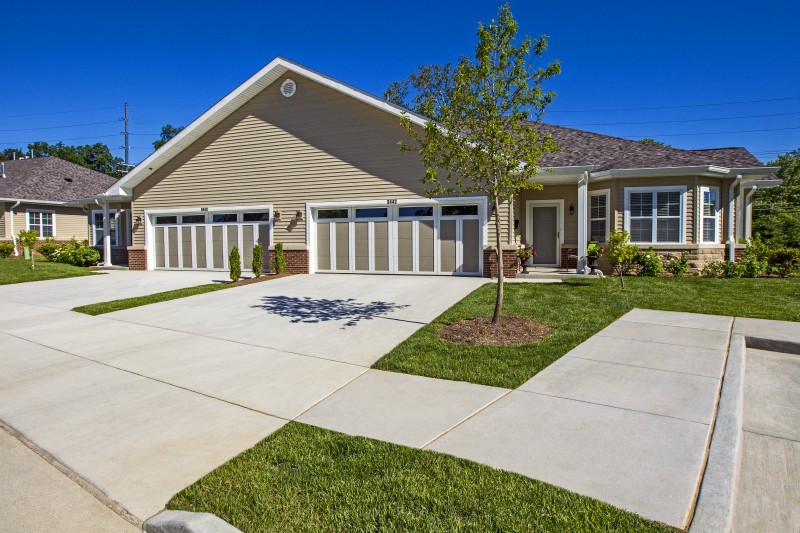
(731, 208)
(27, 201)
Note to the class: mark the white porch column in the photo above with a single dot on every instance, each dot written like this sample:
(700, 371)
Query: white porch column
(731, 218)
(583, 196)
(106, 235)
(748, 214)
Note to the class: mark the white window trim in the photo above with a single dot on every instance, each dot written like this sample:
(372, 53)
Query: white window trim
(607, 194)
(653, 190)
(28, 221)
(703, 189)
(111, 212)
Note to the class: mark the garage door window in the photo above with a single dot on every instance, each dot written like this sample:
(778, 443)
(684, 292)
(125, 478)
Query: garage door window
(419, 211)
(256, 217)
(166, 220)
(376, 212)
(193, 219)
(459, 210)
(331, 214)
(223, 217)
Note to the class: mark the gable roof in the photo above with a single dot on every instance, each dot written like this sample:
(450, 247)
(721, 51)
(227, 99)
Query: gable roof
(605, 152)
(50, 179)
(580, 148)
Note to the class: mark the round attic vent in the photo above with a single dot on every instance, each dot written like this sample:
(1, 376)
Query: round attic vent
(288, 88)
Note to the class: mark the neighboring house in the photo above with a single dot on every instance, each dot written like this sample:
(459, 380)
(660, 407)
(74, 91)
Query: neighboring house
(296, 157)
(36, 193)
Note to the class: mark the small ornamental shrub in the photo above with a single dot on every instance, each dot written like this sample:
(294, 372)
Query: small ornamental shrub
(76, 253)
(732, 270)
(279, 263)
(235, 264)
(713, 269)
(258, 260)
(678, 266)
(785, 261)
(620, 253)
(755, 258)
(6, 249)
(28, 239)
(48, 249)
(650, 263)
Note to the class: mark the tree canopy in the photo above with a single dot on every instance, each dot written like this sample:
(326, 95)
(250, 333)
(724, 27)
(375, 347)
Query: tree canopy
(776, 211)
(167, 132)
(650, 140)
(480, 139)
(93, 156)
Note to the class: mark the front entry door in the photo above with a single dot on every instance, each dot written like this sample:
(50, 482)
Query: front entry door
(545, 235)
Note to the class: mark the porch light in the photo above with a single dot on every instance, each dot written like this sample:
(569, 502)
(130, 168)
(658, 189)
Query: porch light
(276, 215)
(571, 209)
(298, 215)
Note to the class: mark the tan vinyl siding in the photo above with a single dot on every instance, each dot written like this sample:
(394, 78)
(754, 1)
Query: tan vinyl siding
(69, 222)
(568, 193)
(319, 145)
(3, 210)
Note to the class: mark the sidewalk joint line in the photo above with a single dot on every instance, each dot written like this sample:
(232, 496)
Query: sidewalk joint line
(606, 335)
(623, 319)
(770, 436)
(640, 366)
(465, 419)
(316, 403)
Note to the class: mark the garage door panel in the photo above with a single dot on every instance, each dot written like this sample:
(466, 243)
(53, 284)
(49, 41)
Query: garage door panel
(217, 250)
(381, 244)
(447, 246)
(248, 241)
(361, 230)
(405, 246)
(159, 244)
(470, 237)
(324, 246)
(186, 246)
(200, 247)
(426, 246)
(342, 230)
(172, 248)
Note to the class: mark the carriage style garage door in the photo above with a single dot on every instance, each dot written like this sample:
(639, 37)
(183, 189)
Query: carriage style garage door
(428, 238)
(203, 239)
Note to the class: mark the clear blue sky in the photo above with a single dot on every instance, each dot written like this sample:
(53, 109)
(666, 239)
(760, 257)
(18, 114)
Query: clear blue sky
(172, 60)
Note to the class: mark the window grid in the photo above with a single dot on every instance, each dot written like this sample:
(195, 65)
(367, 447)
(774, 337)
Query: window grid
(655, 216)
(598, 217)
(42, 223)
(710, 214)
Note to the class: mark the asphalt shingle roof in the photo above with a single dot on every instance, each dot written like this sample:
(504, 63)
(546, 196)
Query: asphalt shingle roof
(51, 179)
(605, 152)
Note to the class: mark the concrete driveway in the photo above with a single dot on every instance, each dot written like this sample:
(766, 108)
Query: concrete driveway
(143, 402)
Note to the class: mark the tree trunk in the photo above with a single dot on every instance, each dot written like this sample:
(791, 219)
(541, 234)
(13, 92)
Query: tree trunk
(621, 279)
(498, 304)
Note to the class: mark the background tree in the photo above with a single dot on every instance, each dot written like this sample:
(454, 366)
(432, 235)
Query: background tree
(480, 139)
(776, 211)
(167, 132)
(650, 140)
(93, 156)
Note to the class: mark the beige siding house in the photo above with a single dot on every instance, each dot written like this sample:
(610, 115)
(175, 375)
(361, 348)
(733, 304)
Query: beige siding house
(295, 157)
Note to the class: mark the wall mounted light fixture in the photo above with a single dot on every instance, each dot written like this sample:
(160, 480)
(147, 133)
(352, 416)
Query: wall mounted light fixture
(298, 215)
(276, 215)
(571, 209)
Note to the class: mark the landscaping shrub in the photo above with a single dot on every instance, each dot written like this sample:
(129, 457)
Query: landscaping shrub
(48, 249)
(6, 249)
(713, 269)
(76, 253)
(235, 264)
(678, 266)
(258, 260)
(28, 239)
(785, 261)
(755, 258)
(279, 264)
(620, 253)
(650, 263)
(732, 270)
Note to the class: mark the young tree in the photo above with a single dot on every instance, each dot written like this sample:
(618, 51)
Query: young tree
(620, 253)
(28, 239)
(480, 138)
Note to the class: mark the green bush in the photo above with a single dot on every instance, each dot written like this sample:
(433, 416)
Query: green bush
(755, 258)
(785, 261)
(28, 239)
(650, 263)
(48, 249)
(6, 249)
(620, 253)
(678, 266)
(235, 264)
(76, 253)
(732, 270)
(713, 269)
(279, 264)
(258, 260)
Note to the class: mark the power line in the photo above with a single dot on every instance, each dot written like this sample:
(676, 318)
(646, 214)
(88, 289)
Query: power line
(708, 133)
(677, 121)
(675, 106)
(60, 127)
(59, 112)
(60, 140)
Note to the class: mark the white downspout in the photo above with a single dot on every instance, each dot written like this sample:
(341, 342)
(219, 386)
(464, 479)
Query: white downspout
(748, 215)
(14, 235)
(731, 209)
(583, 183)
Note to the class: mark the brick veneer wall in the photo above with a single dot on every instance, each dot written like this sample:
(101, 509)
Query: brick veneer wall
(297, 261)
(510, 263)
(137, 259)
(566, 260)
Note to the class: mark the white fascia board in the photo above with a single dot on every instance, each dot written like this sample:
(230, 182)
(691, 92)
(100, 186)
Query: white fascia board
(234, 100)
(761, 183)
(703, 170)
(755, 171)
(568, 171)
(27, 201)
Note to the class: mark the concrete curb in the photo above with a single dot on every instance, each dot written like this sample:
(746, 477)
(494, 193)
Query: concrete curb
(772, 345)
(187, 522)
(714, 510)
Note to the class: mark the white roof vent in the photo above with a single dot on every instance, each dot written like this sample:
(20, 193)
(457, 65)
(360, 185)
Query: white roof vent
(288, 88)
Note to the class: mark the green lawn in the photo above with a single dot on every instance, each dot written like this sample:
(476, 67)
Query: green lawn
(577, 309)
(127, 303)
(303, 478)
(18, 270)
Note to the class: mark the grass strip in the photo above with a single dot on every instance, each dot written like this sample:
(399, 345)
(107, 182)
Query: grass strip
(18, 270)
(302, 479)
(577, 309)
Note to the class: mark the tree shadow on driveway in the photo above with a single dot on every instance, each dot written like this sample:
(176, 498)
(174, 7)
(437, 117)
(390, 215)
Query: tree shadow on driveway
(308, 310)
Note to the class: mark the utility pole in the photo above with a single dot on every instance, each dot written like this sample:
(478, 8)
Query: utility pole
(127, 146)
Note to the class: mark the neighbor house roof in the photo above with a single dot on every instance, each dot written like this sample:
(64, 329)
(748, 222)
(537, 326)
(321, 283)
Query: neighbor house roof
(604, 152)
(50, 179)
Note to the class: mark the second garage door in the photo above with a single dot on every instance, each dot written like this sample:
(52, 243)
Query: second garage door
(400, 239)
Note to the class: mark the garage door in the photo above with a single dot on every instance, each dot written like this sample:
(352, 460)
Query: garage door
(203, 240)
(399, 239)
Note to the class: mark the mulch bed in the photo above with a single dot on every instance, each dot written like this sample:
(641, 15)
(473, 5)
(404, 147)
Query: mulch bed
(262, 277)
(511, 330)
